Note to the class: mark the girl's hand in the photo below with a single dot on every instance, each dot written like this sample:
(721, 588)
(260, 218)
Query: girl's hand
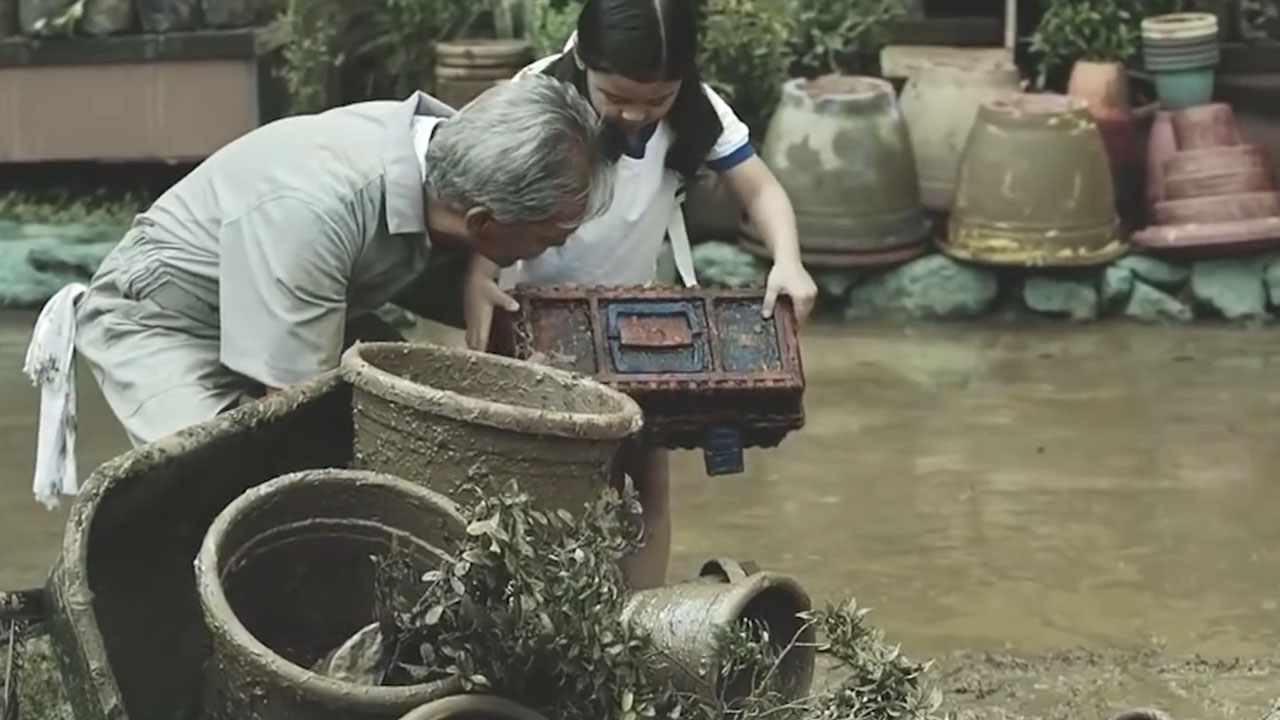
(791, 279)
(480, 295)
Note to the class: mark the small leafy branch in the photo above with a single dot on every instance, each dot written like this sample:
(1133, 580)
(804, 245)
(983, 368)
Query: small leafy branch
(531, 609)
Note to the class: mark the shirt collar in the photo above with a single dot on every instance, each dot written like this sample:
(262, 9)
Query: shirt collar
(404, 169)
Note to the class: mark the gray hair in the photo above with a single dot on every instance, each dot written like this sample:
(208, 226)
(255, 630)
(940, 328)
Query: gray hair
(525, 150)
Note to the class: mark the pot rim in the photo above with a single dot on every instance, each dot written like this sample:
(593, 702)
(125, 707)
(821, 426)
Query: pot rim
(623, 420)
(450, 707)
(1034, 107)
(741, 593)
(220, 618)
(872, 88)
(1180, 25)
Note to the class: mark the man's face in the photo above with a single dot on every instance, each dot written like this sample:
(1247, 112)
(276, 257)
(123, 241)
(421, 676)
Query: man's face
(506, 244)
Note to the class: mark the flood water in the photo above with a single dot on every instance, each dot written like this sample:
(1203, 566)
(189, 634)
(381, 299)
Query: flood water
(1018, 490)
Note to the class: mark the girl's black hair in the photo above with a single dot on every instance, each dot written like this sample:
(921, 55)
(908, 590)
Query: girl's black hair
(648, 41)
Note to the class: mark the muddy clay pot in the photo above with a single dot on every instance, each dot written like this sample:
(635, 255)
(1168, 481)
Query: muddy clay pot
(1161, 146)
(286, 574)
(1181, 51)
(939, 105)
(473, 707)
(466, 68)
(840, 148)
(1035, 187)
(445, 417)
(683, 620)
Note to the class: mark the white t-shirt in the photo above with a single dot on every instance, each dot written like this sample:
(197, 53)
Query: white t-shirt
(622, 246)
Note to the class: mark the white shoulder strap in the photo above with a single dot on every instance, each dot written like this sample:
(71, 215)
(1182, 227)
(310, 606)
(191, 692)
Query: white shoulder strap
(680, 246)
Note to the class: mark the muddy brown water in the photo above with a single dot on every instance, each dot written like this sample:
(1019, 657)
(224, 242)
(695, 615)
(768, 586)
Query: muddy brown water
(1075, 520)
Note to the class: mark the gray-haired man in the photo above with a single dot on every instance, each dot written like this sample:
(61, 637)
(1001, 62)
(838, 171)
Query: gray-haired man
(242, 277)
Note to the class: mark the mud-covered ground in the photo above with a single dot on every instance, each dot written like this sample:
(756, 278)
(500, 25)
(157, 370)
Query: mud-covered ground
(1074, 520)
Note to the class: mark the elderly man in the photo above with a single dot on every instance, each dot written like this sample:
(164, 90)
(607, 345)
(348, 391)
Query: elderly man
(241, 278)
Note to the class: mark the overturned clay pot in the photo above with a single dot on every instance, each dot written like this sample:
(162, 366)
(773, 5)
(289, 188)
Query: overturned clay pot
(684, 620)
(840, 148)
(1035, 187)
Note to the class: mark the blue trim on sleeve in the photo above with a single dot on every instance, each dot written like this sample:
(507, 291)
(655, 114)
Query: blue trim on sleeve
(724, 164)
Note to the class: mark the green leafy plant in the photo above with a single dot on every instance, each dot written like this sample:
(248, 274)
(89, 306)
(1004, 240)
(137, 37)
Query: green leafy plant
(530, 608)
(1093, 30)
(843, 36)
(746, 51)
(1259, 20)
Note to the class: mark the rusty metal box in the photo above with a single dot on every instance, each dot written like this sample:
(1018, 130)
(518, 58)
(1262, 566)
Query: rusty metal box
(706, 367)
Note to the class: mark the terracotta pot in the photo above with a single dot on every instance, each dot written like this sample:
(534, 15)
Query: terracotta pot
(1105, 87)
(1250, 179)
(1161, 145)
(473, 707)
(1035, 187)
(684, 621)
(1205, 126)
(1232, 158)
(466, 68)
(841, 150)
(1219, 209)
(939, 105)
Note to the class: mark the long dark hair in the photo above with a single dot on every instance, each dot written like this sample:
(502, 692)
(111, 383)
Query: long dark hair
(648, 41)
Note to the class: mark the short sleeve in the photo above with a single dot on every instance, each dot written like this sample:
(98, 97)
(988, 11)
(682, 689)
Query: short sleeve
(283, 275)
(734, 145)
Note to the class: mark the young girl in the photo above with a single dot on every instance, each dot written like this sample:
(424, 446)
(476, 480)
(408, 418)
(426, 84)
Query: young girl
(636, 60)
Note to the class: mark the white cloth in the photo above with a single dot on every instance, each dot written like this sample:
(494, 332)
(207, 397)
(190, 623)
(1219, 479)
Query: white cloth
(50, 365)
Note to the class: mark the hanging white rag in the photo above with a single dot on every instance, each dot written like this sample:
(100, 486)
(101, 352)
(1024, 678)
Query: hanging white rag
(681, 249)
(51, 367)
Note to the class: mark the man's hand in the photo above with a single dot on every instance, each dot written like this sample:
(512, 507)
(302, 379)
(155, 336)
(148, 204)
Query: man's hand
(480, 295)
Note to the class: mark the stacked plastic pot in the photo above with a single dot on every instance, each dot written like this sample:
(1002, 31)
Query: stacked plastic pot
(1216, 193)
(1181, 53)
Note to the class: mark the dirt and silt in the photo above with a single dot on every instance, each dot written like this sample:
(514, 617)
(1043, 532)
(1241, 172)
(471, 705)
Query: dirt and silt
(1073, 520)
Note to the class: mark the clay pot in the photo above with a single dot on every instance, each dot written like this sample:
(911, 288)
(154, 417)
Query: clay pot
(445, 417)
(1233, 158)
(841, 150)
(473, 707)
(286, 574)
(1161, 145)
(1205, 126)
(466, 68)
(939, 104)
(684, 621)
(1219, 209)
(1181, 50)
(1035, 187)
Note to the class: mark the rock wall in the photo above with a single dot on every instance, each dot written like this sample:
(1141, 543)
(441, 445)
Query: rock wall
(935, 287)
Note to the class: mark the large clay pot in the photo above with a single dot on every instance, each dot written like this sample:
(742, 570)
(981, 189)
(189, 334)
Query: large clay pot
(473, 707)
(286, 574)
(1035, 187)
(1181, 51)
(841, 150)
(445, 417)
(684, 620)
(1205, 126)
(939, 104)
(466, 68)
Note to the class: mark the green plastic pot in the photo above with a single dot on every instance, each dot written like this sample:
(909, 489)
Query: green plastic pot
(1035, 187)
(1180, 89)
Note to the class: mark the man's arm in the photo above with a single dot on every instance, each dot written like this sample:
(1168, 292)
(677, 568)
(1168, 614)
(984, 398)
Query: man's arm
(284, 269)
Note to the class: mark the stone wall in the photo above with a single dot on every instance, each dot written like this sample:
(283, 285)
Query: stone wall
(935, 287)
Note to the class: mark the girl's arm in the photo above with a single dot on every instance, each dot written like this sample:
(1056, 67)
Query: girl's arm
(770, 210)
